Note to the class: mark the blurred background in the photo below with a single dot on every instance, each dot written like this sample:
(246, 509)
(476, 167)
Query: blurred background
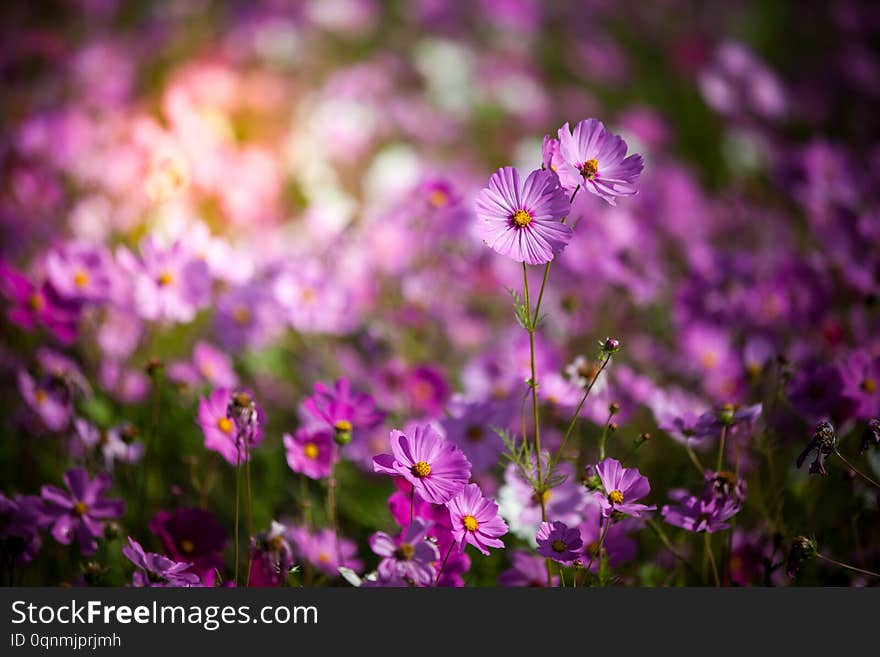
(314, 163)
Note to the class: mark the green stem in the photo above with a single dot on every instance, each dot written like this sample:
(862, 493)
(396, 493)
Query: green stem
(694, 459)
(721, 448)
(856, 470)
(708, 543)
(237, 499)
(604, 437)
(847, 566)
(443, 565)
(599, 546)
(577, 411)
(658, 530)
(250, 521)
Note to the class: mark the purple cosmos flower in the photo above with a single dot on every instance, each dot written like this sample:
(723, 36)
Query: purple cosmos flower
(559, 542)
(247, 317)
(325, 550)
(618, 546)
(157, 570)
(34, 305)
(19, 528)
(192, 535)
(167, 284)
(861, 383)
(426, 390)
(345, 412)
(115, 444)
(81, 510)
(409, 557)
(475, 520)
(527, 570)
(48, 398)
(208, 364)
(523, 220)
(597, 161)
(80, 273)
(221, 434)
(472, 429)
(272, 556)
(623, 486)
(698, 514)
(311, 451)
(434, 466)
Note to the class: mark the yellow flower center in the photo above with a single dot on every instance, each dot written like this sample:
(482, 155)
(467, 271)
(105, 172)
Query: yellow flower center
(324, 557)
(310, 450)
(438, 198)
(470, 523)
(275, 543)
(224, 424)
(521, 218)
(80, 278)
(35, 301)
(165, 279)
(589, 169)
(708, 359)
(40, 396)
(615, 497)
(80, 508)
(421, 469)
(186, 546)
(342, 425)
(241, 315)
(558, 546)
(405, 552)
(869, 386)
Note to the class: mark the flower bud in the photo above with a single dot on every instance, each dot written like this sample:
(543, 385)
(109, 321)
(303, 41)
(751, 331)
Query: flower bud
(802, 550)
(609, 346)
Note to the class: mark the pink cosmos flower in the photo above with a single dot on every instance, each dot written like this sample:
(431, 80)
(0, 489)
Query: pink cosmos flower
(475, 520)
(623, 486)
(325, 550)
(220, 430)
(32, 305)
(341, 409)
(311, 451)
(434, 466)
(409, 557)
(523, 220)
(80, 273)
(167, 284)
(596, 160)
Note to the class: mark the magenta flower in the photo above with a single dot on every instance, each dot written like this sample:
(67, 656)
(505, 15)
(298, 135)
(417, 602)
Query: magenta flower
(48, 398)
(208, 364)
(80, 511)
(623, 486)
(19, 528)
(311, 451)
(699, 514)
(325, 550)
(523, 220)
(434, 466)
(527, 570)
(119, 443)
(32, 305)
(272, 555)
(475, 520)
(221, 432)
(156, 570)
(80, 273)
(596, 160)
(861, 383)
(192, 535)
(409, 557)
(559, 542)
(345, 412)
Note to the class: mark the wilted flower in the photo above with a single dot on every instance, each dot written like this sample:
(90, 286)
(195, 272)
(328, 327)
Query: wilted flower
(156, 570)
(870, 436)
(824, 442)
(802, 550)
